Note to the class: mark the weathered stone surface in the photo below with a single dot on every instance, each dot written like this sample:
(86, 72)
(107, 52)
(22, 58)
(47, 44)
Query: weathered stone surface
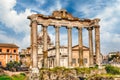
(59, 19)
(71, 74)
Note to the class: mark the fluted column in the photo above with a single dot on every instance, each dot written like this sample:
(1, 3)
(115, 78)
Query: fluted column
(97, 44)
(80, 47)
(34, 44)
(45, 48)
(57, 46)
(69, 46)
(90, 46)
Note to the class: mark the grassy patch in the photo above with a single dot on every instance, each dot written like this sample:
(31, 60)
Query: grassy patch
(5, 77)
(14, 77)
(18, 77)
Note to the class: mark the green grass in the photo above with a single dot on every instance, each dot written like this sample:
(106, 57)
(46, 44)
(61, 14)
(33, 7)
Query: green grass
(14, 77)
(5, 77)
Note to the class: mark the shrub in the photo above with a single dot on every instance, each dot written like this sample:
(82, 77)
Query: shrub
(57, 68)
(23, 74)
(12, 66)
(82, 70)
(112, 70)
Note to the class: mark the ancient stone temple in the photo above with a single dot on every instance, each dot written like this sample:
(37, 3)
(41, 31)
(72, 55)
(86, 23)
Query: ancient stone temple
(59, 19)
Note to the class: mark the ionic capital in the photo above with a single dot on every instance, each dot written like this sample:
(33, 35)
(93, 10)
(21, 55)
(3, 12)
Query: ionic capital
(45, 25)
(79, 28)
(33, 17)
(94, 22)
(69, 27)
(33, 22)
(96, 26)
(89, 28)
(57, 26)
(97, 20)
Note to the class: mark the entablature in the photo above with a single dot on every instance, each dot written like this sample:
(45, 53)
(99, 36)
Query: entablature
(63, 18)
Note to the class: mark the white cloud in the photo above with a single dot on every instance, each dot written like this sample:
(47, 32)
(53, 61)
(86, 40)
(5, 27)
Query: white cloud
(17, 22)
(109, 16)
(7, 4)
(41, 2)
(110, 38)
(57, 6)
(2, 32)
(108, 12)
(52, 37)
(22, 44)
(64, 39)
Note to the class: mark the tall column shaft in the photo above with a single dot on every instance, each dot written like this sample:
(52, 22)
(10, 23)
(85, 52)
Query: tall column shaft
(80, 47)
(31, 42)
(90, 46)
(57, 46)
(34, 44)
(97, 44)
(45, 48)
(69, 47)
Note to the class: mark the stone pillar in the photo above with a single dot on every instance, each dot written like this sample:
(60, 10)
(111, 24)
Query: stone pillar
(80, 47)
(69, 46)
(97, 44)
(90, 46)
(31, 34)
(34, 44)
(45, 48)
(34, 71)
(57, 45)
(53, 61)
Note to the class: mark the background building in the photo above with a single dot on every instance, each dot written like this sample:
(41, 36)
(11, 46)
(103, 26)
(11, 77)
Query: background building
(63, 57)
(75, 56)
(8, 52)
(114, 57)
(25, 58)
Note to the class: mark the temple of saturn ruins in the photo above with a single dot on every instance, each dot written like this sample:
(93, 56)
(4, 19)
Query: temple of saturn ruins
(59, 19)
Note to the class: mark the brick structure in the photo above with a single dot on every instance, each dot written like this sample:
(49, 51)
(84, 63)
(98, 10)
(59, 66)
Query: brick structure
(25, 58)
(8, 52)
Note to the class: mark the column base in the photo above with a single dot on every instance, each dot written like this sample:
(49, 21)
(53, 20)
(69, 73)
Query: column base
(100, 67)
(90, 66)
(34, 74)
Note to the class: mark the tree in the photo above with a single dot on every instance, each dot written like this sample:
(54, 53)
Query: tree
(12, 66)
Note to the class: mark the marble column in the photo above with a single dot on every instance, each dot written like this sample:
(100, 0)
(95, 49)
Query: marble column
(97, 44)
(69, 46)
(90, 46)
(81, 64)
(34, 44)
(45, 48)
(57, 46)
(34, 71)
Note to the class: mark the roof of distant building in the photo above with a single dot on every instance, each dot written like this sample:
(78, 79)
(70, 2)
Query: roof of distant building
(82, 46)
(65, 47)
(8, 45)
(41, 40)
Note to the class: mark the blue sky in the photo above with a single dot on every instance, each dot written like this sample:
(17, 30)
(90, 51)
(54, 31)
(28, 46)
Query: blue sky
(14, 25)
